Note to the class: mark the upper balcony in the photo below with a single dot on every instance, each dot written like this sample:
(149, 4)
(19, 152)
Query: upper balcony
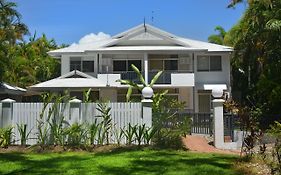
(174, 78)
(177, 69)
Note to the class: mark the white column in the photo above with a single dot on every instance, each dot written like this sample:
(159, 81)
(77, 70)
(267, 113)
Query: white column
(7, 112)
(75, 111)
(218, 123)
(145, 56)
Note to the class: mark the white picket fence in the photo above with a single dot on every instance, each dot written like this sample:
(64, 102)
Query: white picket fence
(29, 113)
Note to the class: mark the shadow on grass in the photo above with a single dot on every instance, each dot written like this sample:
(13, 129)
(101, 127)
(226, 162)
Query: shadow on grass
(133, 161)
(168, 161)
(41, 165)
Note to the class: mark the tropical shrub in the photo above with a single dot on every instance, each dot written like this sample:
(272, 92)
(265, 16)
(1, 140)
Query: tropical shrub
(6, 136)
(275, 131)
(76, 134)
(169, 124)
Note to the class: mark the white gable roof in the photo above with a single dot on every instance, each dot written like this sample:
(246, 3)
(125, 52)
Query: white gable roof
(141, 33)
(73, 79)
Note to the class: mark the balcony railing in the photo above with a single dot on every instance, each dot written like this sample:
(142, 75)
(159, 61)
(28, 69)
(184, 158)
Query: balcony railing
(130, 75)
(165, 77)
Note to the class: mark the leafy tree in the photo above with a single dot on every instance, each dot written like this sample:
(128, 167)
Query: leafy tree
(11, 30)
(256, 62)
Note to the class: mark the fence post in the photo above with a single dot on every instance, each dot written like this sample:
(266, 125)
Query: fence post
(218, 118)
(7, 112)
(75, 111)
(147, 93)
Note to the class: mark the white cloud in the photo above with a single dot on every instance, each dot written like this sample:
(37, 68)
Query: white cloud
(90, 38)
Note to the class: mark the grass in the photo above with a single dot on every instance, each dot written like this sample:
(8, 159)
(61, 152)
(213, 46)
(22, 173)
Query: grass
(145, 161)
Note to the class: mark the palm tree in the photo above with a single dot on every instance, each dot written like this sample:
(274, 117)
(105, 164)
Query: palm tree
(218, 38)
(133, 85)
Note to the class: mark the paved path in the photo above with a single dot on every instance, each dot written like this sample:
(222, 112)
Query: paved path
(200, 144)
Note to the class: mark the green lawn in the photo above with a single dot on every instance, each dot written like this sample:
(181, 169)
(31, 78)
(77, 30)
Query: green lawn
(117, 162)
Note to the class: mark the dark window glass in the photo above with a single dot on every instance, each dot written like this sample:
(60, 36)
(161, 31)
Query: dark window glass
(75, 64)
(88, 66)
(215, 63)
(137, 63)
(202, 63)
(119, 66)
(171, 64)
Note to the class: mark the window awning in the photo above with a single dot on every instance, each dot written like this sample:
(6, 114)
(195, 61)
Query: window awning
(214, 86)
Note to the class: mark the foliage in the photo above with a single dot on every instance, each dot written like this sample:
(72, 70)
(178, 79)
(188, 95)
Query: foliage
(93, 130)
(170, 125)
(256, 61)
(42, 133)
(105, 124)
(51, 128)
(87, 96)
(118, 135)
(218, 38)
(249, 123)
(133, 85)
(139, 133)
(149, 133)
(24, 134)
(275, 131)
(11, 31)
(129, 133)
(6, 136)
(76, 134)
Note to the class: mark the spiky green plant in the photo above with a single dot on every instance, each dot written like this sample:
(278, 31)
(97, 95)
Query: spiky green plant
(139, 133)
(93, 131)
(133, 85)
(149, 134)
(129, 133)
(106, 123)
(24, 134)
(42, 133)
(118, 135)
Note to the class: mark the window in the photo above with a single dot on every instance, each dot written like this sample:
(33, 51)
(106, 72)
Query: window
(119, 65)
(159, 65)
(137, 63)
(209, 63)
(125, 65)
(75, 63)
(215, 63)
(88, 66)
(171, 64)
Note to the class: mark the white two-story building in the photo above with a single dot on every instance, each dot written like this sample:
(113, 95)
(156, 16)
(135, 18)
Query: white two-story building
(191, 69)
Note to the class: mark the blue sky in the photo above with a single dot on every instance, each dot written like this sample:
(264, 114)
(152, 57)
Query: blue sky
(69, 20)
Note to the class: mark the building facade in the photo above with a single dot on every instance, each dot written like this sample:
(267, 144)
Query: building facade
(191, 69)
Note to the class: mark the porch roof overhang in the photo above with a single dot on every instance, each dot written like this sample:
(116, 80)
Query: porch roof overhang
(9, 89)
(72, 80)
(212, 86)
